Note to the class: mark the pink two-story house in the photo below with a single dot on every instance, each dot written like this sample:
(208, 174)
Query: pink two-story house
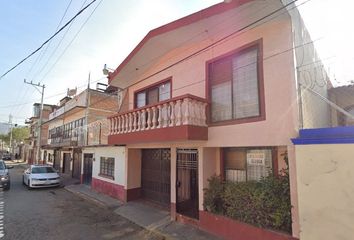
(213, 93)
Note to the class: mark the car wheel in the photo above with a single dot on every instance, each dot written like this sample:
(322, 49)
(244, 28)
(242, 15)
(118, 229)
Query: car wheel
(28, 185)
(7, 188)
(23, 180)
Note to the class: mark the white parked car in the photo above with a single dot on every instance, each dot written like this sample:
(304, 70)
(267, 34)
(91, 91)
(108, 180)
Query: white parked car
(37, 176)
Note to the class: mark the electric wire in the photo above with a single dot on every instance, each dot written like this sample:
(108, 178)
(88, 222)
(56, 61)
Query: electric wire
(69, 44)
(48, 40)
(56, 47)
(39, 58)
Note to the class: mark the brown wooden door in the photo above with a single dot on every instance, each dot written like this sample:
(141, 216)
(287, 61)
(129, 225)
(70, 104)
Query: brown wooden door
(87, 174)
(187, 182)
(77, 164)
(66, 163)
(56, 163)
(155, 175)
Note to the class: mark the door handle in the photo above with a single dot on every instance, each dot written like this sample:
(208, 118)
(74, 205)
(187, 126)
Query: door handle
(178, 184)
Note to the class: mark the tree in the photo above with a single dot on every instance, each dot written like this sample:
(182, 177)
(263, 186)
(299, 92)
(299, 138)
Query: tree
(19, 134)
(5, 138)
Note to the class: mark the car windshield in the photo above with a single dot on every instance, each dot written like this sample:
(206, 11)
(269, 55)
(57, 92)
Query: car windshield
(2, 166)
(36, 170)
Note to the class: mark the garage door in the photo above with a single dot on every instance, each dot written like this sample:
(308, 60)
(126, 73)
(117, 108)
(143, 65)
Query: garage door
(155, 175)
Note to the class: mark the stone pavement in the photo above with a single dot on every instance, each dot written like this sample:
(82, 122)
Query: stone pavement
(145, 215)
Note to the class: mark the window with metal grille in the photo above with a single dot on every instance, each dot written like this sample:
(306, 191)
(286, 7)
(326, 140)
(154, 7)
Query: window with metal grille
(247, 164)
(107, 166)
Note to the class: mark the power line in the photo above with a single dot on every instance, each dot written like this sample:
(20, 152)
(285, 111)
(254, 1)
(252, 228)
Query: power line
(72, 40)
(276, 54)
(219, 41)
(56, 48)
(216, 42)
(50, 38)
(42, 53)
(39, 58)
(51, 96)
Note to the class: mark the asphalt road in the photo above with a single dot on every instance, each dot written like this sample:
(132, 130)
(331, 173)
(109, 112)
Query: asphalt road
(58, 214)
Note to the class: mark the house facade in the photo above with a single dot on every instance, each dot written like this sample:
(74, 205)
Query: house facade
(215, 93)
(68, 131)
(32, 149)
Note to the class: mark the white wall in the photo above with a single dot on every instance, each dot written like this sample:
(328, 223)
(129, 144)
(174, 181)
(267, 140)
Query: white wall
(118, 153)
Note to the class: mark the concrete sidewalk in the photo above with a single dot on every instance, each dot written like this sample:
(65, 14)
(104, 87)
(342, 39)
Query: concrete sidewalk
(142, 214)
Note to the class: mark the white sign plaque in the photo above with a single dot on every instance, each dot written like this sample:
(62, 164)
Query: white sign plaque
(256, 159)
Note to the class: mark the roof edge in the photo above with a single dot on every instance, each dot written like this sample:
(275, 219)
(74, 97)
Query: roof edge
(184, 21)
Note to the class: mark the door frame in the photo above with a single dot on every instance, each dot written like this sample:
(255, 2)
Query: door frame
(86, 179)
(65, 167)
(195, 212)
(77, 151)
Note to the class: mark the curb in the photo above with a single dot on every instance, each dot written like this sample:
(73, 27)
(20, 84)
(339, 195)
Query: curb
(103, 205)
(87, 197)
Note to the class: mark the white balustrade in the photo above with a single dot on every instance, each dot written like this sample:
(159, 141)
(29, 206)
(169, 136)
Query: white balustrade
(186, 110)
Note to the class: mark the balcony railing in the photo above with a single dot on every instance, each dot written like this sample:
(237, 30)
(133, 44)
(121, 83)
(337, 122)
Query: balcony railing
(186, 110)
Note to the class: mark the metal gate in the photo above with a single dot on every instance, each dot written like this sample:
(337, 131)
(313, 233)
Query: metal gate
(77, 164)
(187, 182)
(155, 175)
(87, 175)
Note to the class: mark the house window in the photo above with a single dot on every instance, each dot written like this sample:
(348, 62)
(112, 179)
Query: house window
(247, 164)
(234, 86)
(107, 167)
(154, 94)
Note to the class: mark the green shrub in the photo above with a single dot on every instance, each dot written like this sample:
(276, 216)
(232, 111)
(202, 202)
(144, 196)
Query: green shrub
(213, 196)
(265, 203)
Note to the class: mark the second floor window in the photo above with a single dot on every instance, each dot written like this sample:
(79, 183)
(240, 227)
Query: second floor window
(234, 86)
(154, 94)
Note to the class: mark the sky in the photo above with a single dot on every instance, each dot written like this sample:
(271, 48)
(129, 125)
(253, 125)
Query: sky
(109, 30)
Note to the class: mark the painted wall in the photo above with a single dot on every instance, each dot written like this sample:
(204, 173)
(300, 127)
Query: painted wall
(133, 163)
(189, 76)
(118, 153)
(209, 159)
(311, 76)
(325, 185)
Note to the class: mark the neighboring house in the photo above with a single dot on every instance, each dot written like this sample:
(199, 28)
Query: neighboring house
(33, 124)
(343, 97)
(71, 128)
(206, 95)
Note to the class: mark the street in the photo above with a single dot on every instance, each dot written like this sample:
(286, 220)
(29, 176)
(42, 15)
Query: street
(57, 214)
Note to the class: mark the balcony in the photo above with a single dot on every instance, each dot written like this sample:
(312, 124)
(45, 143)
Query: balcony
(177, 119)
(78, 101)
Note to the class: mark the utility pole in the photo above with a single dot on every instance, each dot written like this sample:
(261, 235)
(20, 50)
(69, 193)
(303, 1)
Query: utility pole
(40, 117)
(10, 123)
